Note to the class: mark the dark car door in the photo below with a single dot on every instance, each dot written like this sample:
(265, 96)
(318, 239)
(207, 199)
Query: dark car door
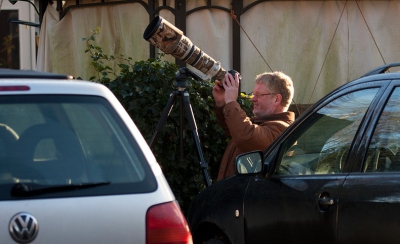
(297, 202)
(369, 210)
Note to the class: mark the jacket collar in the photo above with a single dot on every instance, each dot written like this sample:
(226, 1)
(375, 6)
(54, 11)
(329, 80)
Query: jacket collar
(287, 117)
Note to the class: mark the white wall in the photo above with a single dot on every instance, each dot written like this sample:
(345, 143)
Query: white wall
(320, 44)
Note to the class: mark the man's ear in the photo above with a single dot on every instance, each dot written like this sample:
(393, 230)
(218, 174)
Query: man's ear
(278, 98)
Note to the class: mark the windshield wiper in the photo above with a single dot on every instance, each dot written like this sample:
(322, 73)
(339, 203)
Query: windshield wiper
(31, 189)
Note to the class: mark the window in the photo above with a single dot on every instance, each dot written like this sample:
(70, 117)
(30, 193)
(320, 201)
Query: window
(320, 145)
(383, 152)
(17, 41)
(9, 40)
(69, 139)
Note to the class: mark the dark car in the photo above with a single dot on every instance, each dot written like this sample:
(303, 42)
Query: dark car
(332, 177)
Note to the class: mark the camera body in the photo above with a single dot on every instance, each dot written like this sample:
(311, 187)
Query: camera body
(233, 72)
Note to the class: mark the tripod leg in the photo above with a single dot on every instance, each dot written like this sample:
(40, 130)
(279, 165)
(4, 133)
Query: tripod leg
(164, 115)
(181, 127)
(193, 127)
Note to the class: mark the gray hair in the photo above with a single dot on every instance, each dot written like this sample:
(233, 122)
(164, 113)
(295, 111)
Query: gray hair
(278, 83)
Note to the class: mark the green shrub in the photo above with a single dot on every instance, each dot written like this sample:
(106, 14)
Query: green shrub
(144, 88)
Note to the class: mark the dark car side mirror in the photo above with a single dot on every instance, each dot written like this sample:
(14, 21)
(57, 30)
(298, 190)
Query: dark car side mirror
(249, 163)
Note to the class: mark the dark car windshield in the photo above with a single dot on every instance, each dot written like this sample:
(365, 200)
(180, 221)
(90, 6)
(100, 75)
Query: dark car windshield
(51, 141)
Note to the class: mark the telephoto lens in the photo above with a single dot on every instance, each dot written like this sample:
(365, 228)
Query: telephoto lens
(169, 39)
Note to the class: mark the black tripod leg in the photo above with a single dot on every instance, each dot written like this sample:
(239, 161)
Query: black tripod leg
(164, 115)
(181, 127)
(193, 127)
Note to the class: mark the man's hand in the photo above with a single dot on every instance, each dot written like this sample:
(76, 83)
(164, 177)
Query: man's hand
(219, 94)
(231, 86)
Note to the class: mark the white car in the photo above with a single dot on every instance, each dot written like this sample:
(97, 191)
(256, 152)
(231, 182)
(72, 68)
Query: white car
(74, 168)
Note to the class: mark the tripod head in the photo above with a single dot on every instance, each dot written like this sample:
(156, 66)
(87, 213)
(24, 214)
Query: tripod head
(182, 75)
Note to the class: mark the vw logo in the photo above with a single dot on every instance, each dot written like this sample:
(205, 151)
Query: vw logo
(23, 228)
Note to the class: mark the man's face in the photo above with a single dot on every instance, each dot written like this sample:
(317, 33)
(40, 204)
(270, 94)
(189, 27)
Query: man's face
(264, 101)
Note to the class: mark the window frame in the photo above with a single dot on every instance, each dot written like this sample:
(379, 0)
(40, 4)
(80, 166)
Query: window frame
(366, 138)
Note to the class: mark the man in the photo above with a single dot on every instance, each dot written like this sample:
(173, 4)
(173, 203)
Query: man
(272, 96)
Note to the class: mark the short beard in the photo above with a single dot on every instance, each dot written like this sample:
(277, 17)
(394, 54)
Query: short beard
(259, 116)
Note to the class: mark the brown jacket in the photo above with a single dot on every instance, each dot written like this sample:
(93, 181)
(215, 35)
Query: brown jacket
(247, 134)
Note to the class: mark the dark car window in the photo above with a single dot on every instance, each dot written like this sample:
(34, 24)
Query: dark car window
(384, 151)
(320, 145)
(49, 141)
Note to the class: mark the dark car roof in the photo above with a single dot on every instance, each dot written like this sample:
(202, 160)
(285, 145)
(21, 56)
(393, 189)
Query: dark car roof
(379, 73)
(382, 69)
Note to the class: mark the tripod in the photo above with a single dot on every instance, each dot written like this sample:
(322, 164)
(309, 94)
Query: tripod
(181, 78)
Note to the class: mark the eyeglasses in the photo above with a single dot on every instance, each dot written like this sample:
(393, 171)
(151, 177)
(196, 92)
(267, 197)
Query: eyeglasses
(258, 95)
